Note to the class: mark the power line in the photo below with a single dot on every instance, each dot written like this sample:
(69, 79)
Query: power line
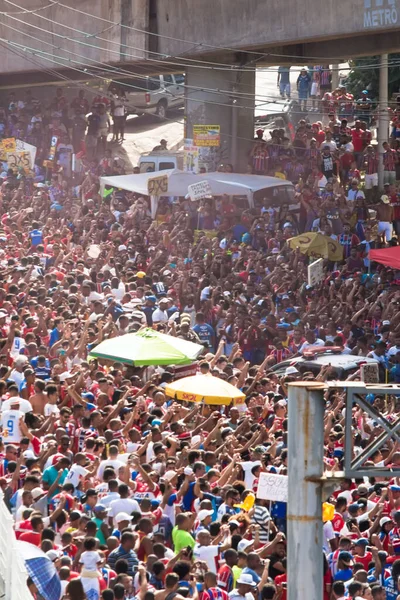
(118, 71)
(109, 69)
(211, 65)
(174, 39)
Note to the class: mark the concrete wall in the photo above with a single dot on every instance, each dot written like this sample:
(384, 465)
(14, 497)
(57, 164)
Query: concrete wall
(255, 24)
(113, 50)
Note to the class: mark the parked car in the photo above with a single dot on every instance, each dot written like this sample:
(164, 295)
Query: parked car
(277, 115)
(343, 365)
(154, 94)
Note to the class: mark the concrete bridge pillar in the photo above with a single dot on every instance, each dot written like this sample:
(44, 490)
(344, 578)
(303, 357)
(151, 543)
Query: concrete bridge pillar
(224, 99)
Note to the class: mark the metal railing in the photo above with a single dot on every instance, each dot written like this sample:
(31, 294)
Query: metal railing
(13, 574)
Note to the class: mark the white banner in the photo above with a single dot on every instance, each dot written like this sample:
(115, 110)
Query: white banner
(200, 190)
(273, 487)
(315, 272)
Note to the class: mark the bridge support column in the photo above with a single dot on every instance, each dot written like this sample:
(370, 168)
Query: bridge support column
(224, 98)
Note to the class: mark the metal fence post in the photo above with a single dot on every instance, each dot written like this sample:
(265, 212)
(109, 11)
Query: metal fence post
(304, 510)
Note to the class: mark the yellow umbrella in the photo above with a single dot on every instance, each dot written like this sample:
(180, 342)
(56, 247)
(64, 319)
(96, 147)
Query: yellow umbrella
(317, 246)
(205, 388)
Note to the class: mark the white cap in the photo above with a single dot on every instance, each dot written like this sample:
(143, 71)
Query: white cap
(29, 454)
(188, 471)
(242, 545)
(245, 578)
(203, 514)
(122, 247)
(384, 520)
(291, 370)
(53, 554)
(122, 516)
(169, 475)
(65, 375)
(37, 492)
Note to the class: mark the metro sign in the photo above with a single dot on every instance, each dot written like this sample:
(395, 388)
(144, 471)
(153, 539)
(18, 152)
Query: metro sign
(380, 13)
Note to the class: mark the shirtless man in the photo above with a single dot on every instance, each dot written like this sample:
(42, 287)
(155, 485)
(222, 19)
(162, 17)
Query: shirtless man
(39, 398)
(384, 215)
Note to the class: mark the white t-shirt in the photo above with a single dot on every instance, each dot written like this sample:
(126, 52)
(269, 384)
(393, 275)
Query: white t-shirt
(75, 474)
(328, 534)
(306, 345)
(248, 475)
(159, 316)
(115, 464)
(207, 554)
(17, 377)
(24, 405)
(127, 505)
(10, 422)
(90, 559)
(51, 409)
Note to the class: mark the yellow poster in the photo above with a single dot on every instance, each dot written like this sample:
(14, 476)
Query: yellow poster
(157, 186)
(19, 160)
(9, 145)
(206, 135)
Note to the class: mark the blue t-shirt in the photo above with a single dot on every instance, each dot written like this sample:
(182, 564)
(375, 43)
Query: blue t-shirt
(206, 334)
(36, 237)
(391, 589)
(256, 578)
(54, 336)
(189, 497)
(343, 575)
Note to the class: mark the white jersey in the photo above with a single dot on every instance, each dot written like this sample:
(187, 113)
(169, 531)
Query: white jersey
(10, 422)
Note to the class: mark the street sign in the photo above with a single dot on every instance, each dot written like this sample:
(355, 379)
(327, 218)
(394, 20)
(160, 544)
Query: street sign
(273, 487)
(158, 186)
(199, 190)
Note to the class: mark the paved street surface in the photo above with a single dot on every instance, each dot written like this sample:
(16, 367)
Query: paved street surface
(143, 133)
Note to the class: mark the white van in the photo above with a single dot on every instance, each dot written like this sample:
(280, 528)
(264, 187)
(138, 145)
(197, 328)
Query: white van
(160, 161)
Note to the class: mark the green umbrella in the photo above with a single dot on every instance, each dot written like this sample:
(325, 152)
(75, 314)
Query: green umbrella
(148, 347)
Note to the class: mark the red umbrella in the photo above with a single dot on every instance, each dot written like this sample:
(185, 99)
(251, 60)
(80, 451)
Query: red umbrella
(390, 257)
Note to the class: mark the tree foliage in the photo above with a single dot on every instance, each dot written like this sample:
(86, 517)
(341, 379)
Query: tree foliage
(364, 77)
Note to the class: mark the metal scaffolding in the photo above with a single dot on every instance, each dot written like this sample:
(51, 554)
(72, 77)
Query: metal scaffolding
(308, 486)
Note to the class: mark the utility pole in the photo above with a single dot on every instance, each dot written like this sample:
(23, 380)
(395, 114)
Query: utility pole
(335, 76)
(383, 115)
(304, 509)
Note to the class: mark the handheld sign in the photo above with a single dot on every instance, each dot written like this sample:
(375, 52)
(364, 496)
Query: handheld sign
(158, 186)
(273, 487)
(199, 190)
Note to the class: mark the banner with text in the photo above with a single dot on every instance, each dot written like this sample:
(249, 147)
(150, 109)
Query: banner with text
(273, 487)
(206, 135)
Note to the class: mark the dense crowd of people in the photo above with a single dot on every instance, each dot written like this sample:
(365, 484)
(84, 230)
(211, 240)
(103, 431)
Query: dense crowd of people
(132, 494)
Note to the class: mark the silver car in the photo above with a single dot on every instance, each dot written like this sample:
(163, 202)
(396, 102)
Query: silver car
(153, 95)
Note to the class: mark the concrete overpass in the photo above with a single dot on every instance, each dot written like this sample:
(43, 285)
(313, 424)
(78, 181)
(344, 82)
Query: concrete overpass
(181, 34)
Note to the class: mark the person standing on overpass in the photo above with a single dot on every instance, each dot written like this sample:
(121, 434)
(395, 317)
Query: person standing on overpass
(283, 82)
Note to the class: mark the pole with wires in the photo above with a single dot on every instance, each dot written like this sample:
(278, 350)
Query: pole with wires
(304, 509)
(383, 115)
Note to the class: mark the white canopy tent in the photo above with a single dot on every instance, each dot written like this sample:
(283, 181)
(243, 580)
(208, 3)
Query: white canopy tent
(233, 184)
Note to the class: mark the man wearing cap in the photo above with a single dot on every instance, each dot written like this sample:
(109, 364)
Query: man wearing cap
(344, 567)
(160, 315)
(384, 215)
(244, 589)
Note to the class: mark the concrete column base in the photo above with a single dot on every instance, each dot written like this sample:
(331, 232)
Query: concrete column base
(204, 107)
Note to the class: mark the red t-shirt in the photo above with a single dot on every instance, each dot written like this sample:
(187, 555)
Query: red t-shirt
(33, 537)
(279, 579)
(357, 136)
(364, 560)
